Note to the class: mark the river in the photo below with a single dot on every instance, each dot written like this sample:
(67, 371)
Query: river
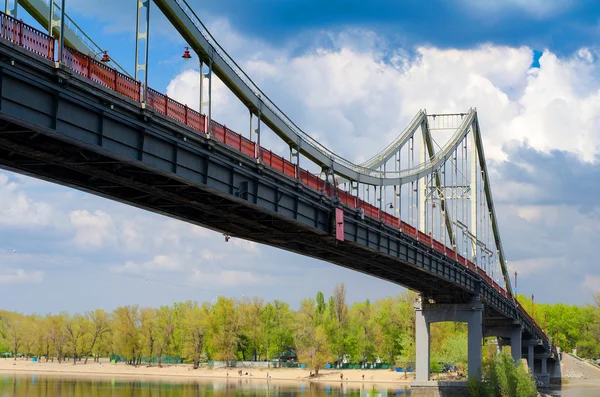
(65, 386)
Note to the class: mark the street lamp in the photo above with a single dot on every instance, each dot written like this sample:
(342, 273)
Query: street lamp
(532, 307)
(516, 289)
(186, 56)
(105, 58)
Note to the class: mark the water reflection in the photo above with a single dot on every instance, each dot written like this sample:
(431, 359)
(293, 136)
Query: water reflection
(52, 386)
(577, 388)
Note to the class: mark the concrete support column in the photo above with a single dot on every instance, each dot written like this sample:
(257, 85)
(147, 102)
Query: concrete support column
(530, 357)
(515, 345)
(422, 344)
(544, 366)
(507, 331)
(427, 313)
(475, 327)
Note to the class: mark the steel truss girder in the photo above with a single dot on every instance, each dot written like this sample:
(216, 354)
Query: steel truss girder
(448, 192)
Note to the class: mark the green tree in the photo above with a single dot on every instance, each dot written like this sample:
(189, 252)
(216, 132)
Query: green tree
(253, 328)
(165, 322)
(361, 337)
(99, 326)
(127, 333)
(279, 324)
(313, 349)
(14, 331)
(57, 335)
(148, 333)
(227, 325)
(195, 323)
(455, 350)
(320, 302)
(76, 327)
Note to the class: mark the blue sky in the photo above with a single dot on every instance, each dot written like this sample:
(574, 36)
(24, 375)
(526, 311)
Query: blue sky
(364, 68)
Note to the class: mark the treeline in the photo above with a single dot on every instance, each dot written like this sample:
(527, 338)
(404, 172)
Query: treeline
(320, 331)
(569, 326)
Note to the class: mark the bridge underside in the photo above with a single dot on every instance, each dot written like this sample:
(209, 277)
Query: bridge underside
(46, 156)
(54, 130)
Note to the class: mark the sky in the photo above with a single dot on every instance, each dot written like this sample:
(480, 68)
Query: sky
(353, 74)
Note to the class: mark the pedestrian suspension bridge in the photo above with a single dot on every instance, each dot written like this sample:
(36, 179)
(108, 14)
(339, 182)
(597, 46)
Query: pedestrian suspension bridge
(419, 213)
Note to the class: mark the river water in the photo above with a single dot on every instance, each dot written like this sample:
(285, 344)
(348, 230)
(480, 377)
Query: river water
(65, 386)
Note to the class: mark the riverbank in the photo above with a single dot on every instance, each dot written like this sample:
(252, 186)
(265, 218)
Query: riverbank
(185, 371)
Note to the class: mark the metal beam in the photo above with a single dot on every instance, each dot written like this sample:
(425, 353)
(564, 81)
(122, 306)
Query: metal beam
(490, 203)
(142, 42)
(473, 184)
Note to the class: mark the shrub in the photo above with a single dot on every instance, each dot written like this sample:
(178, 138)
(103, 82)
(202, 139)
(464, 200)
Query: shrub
(504, 379)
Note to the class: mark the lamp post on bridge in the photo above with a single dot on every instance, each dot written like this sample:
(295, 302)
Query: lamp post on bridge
(105, 58)
(186, 56)
(516, 288)
(532, 307)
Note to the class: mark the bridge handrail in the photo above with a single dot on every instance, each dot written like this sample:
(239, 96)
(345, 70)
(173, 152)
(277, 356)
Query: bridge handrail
(11, 29)
(81, 35)
(26, 36)
(257, 91)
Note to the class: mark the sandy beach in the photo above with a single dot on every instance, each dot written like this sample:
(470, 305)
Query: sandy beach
(185, 371)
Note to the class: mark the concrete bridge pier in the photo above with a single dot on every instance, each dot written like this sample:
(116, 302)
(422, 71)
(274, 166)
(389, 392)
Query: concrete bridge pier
(508, 331)
(427, 313)
(531, 356)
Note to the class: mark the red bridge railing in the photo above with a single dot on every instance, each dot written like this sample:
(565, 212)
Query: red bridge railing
(41, 44)
(26, 36)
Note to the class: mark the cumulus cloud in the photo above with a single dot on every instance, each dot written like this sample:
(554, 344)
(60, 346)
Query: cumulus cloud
(592, 282)
(357, 96)
(159, 263)
(17, 209)
(20, 276)
(93, 229)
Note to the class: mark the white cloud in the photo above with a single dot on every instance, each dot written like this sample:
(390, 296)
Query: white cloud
(159, 263)
(592, 282)
(528, 267)
(351, 94)
(184, 88)
(249, 246)
(93, 229)
(17, 209)
(20, 276)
